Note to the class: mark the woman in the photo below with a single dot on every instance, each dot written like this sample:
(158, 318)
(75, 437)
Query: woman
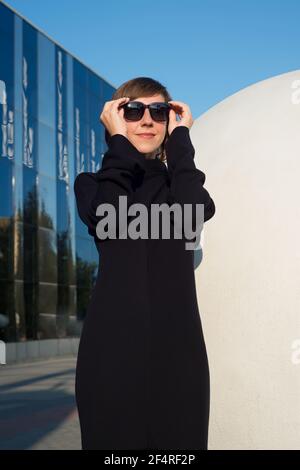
(142, 376)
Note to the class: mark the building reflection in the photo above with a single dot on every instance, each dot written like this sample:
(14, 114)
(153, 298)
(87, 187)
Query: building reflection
(50, 131)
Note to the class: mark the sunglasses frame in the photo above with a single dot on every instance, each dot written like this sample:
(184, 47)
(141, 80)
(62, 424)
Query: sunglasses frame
(143, 106)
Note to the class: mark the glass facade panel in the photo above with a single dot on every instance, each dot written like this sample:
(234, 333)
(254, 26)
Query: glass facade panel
(6, 249)
(20, 311)
(47, 202)
(80, 75)
(18, 251)
(46, 150)
(63, 217)
(18, 63)
(86, 264)
(6, 188)
(108, 91)
(30, 202)
(50, 105)
(94, 85)
(6, 20)
(30, 253)
(7, 94)
(46, 81)
(65, 261)
(47, 255)
(47, 311)
(7, 308)
(30, 72)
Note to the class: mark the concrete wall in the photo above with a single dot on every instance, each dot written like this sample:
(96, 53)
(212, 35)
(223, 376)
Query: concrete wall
(25, 351)
(248, 282)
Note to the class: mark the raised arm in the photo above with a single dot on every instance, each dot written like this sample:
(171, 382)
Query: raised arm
(119, 175)
(186, 181)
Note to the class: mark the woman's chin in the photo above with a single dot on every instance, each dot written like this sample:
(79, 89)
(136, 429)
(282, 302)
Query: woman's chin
(144, 147)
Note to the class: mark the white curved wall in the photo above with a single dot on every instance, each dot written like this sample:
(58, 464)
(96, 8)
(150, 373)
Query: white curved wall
(248, 282)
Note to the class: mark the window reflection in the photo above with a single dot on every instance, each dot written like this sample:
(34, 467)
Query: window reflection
(80, 74)
(6, 102)
(29, 94)
(46, 88)
(50, 105)
(108, 91)
(7, 58)
(81, 229)
(81, 132)
(8, 333)
(47, 255)
(47, 302)
(18, 251)
(74, 326)
(94, 85)
(66, 322)
(64, 260)
(30, 195)
(47, 202)
(18, 53)
(29, 138)
(83, 298)
(80, 143)
(19, 306)
(46, 150)
(61, 116)
(7, 20)
(6, 188)
(63, 215)
(95, 131)
(18, 134)
(30, 253)
(6, 249)
(86, 264)
(31, 312)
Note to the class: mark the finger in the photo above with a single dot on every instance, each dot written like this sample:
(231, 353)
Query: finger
(177, 103)
(172, 115)
(179, 108)
(121, 101)
(115, 103)
(183, 110)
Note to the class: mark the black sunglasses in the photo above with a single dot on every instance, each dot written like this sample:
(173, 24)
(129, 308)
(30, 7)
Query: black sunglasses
(134, 110)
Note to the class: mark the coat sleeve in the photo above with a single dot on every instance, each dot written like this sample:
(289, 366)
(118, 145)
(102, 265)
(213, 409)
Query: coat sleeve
(186, 181)
(120, 174)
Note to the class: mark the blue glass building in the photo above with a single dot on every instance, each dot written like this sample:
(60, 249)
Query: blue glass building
(50, 105)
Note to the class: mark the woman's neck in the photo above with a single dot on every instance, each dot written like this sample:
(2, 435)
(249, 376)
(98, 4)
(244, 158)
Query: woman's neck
(151, 155)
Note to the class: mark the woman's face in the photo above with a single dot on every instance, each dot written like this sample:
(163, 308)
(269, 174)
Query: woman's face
(147, 145)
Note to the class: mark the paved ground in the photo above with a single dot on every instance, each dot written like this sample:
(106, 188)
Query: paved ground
(37, 405)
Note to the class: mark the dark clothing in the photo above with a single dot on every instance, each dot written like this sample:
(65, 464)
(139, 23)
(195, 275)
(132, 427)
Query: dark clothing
(142, 375)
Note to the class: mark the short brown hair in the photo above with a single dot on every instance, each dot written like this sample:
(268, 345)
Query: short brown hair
(138, 87)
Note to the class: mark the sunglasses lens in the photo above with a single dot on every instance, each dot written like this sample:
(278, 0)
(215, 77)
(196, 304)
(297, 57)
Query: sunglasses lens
(159, 112)
(133, 111)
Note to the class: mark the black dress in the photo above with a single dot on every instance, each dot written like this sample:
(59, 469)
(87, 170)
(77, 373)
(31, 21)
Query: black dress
(142, 375)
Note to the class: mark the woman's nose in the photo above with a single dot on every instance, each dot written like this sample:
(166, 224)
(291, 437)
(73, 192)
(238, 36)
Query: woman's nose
(147, 115)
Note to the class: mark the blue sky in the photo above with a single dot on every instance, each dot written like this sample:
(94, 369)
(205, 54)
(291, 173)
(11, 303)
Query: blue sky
(202, 50)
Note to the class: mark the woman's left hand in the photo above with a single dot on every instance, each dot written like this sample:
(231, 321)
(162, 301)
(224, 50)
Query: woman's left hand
(184, 113)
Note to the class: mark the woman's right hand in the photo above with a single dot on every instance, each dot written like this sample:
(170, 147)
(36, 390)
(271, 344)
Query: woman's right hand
(113, 118)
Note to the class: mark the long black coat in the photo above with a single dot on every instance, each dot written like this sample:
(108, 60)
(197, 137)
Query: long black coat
(142, 374)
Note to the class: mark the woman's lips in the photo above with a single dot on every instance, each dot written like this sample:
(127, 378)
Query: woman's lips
(146, 136)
